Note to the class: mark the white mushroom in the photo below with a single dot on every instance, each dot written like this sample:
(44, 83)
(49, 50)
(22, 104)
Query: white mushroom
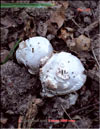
(63, 73)
(31, 52)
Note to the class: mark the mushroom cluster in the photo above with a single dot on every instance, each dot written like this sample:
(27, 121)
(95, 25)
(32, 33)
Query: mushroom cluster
(61, 73)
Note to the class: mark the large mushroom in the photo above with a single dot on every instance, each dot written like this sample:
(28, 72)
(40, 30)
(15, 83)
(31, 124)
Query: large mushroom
(63, 73)
(32, 51)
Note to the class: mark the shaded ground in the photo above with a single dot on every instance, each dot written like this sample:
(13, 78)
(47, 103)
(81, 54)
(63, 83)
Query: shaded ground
(20, 91)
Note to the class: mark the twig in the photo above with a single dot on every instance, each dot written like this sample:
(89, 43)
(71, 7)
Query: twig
(75, 22)
(92, 26)
(88, 28)
(76, 111)
(69, 116)
(89, 112)
(95, 57)
(31, 112)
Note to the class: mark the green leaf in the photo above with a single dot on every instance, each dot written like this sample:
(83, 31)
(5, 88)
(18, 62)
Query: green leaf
(22, 5)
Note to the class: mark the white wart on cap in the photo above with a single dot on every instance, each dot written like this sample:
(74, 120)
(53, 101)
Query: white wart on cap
(62, 74)
(32, 51)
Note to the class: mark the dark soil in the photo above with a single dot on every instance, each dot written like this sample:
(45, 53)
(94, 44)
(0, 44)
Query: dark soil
(19, 88)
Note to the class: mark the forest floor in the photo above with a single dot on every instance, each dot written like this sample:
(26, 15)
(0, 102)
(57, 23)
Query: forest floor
(63, 24)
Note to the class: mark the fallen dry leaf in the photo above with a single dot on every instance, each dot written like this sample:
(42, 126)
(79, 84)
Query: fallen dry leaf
(71, 43)
(42, 29)
(60, 4)
(66, 33)
(57, 19)
(83, 43)
(29, 29)
(71, 30)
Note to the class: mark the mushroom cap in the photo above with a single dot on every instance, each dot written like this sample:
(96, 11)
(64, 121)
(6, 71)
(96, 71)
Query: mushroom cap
(63, 73)
(32, 50)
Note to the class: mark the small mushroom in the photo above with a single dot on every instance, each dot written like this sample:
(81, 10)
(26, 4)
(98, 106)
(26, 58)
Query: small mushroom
(63, 73)
(32, 51)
